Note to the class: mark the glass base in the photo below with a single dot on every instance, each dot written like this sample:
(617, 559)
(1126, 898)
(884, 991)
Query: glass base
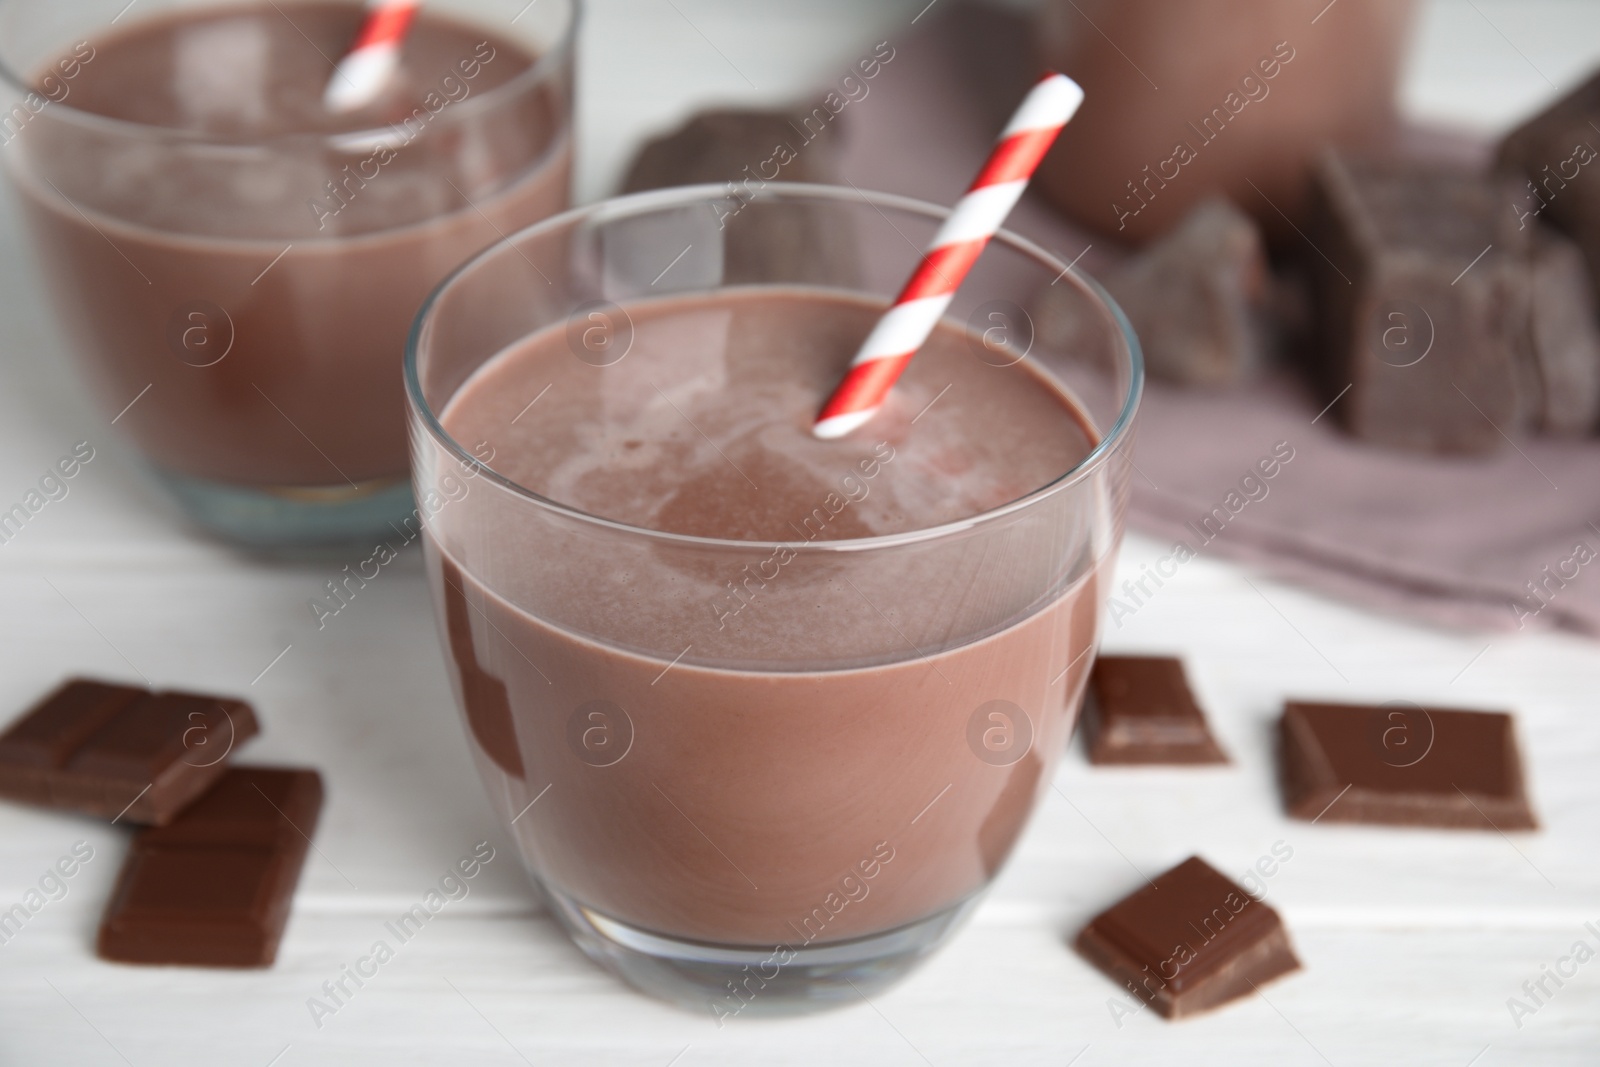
(730, 982)
(276, 518)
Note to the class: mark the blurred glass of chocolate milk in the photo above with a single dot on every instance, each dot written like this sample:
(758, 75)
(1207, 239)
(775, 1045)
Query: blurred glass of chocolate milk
(1186, 98)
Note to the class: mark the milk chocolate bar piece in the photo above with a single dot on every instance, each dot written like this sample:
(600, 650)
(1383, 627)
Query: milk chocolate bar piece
(213, 887)
(1423, 292)
(1197, 297)
(120, 752)
(1190, 941)
(1403, 765)
(743, 150)
(1140, 710)
(1554, 155)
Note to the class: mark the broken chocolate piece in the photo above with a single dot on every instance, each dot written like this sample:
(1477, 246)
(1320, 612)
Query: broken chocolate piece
(1197, 297)
(1554, 156)
(1422, 286)
(1140, 710)
(1565, 341)
(738, 146)
(120, 752)
(1198, 300)
(1190, 941)
(743, 151)
(213, 888)
(1403, 765)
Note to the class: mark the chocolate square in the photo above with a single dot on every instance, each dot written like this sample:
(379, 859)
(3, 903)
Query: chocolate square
(1141, 710)
(213, 887)
(117, 751)
(1400, 764)
(1190, 941)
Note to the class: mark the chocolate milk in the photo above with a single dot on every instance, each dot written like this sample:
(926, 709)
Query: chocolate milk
(813, 765)
(255, 261)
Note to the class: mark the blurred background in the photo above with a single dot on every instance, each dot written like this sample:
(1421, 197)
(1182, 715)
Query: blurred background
(1413, 943)
(646, 65)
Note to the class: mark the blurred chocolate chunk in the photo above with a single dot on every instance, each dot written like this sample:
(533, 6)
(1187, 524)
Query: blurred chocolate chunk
(1140, 710)
(738, 146)
(1400, 764)
(213, 888)
(1189, 941)
(744, 151)
(1564, 338)
(121, 752)
(1197, 299)
(1423, 293)
(1554, 157)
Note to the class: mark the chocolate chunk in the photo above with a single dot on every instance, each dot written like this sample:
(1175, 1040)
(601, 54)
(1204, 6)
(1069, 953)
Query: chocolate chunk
(738, 146)
(1200, 300)
(1197, 297)
(213, 887)
(744, 150)
(1565, 343)
(1140, 710)
(1422, 285)
(1554, 155)
(1189, 942)
(116, 751)
(1403, 765)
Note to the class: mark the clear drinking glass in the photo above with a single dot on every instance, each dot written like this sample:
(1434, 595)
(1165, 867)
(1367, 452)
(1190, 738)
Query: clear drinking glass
(238, 301)
(795, 811)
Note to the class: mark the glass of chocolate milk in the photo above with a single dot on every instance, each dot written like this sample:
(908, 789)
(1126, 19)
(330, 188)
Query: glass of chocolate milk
(764, 714)
(237, 266)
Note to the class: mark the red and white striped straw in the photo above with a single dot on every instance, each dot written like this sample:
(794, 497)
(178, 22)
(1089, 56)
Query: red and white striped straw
(975, 218)
(370, 63)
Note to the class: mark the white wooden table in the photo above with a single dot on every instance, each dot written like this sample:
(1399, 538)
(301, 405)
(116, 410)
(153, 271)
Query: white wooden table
(1412, 942)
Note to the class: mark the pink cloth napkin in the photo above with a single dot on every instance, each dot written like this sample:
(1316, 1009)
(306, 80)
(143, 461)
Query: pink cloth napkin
(1500, 543)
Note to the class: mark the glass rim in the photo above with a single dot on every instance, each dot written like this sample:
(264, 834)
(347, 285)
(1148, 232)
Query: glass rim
(560, 51)
(642, 202)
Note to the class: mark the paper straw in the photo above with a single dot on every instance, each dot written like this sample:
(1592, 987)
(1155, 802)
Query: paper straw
(371, 61)
(976, 217)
